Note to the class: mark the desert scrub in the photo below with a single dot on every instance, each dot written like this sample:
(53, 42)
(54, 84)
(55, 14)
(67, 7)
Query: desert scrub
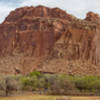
(2, 86)
(9, 83)
(34, 81)
(55, 84)
(87, 83)
(61, 83)
(13, 83)
(61, 86)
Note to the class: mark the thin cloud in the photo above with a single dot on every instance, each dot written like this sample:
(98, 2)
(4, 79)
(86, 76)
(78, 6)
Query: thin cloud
(4, 11)
(78, 8)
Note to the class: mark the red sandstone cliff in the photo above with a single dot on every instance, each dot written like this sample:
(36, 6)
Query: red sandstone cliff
(49, 40)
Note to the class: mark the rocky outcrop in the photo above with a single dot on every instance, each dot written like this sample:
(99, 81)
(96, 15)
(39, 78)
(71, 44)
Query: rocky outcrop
(92, 16)
(49, 40)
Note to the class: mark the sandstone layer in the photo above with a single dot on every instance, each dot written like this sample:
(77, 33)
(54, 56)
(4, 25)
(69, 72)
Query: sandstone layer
(49, 40)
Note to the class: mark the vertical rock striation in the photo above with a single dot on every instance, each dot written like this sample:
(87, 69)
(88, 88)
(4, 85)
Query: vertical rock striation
(49, 40)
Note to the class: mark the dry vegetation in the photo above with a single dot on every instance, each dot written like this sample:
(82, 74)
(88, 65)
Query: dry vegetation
(50, 84)
(39, 97)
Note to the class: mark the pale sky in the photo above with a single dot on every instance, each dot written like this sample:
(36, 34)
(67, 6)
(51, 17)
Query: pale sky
(78, 8)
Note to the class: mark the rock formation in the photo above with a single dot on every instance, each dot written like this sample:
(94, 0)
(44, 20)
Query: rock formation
(49, 40)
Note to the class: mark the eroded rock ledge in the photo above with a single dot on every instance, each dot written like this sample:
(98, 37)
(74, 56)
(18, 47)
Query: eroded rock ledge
(49, 40)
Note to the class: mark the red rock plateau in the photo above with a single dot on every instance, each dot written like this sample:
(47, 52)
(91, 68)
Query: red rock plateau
(49, 40)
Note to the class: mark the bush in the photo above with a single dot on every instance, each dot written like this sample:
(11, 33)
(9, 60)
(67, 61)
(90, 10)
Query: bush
(13, 84)
(2, 84)
(57, 84)
(9, 84)
(60, 85)
(87, 83)
(33, 83)
(35, 73)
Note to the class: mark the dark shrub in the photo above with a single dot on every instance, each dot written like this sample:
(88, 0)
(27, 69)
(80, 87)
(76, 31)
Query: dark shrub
(61, 86)
(87, 83)
(2, 87)
(13, 84)
(9, 84)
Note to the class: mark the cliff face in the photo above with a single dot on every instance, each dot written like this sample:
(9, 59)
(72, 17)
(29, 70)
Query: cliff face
(49, 40)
